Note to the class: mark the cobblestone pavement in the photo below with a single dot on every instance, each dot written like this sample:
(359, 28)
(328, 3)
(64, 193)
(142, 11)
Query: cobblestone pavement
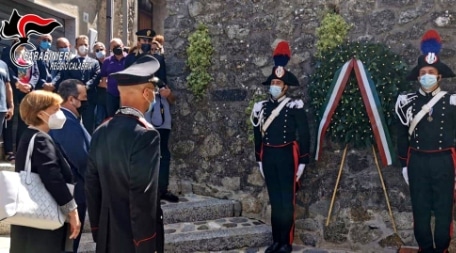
(4, 248)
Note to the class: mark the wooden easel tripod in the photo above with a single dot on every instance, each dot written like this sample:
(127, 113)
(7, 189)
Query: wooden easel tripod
(381, 179)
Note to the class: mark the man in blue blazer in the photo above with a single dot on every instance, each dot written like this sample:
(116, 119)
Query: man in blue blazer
(74, 140)
(85, 69)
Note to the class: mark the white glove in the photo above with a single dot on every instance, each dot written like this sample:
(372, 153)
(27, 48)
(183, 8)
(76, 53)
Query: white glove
(257, 107)
(260, 168)
(405, 175)
(301, 167)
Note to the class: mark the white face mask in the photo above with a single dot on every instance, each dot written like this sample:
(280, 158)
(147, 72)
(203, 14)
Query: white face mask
(56, 120)
(83, 50)
(428, 80)
(151, 104)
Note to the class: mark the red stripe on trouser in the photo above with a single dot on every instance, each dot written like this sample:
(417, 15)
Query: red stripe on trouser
(296, 164)
(261, 152)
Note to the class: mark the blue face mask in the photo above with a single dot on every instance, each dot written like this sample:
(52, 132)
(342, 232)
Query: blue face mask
(151, 106)
(275, 91)
(428, 80)
(145, 48)
(45, 44)
(64, 50)
(100, 54)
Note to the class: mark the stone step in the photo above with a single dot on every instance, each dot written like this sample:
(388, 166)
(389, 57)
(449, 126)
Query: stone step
(193, 207)
(202, 236)
(6, 166)
(190, 208)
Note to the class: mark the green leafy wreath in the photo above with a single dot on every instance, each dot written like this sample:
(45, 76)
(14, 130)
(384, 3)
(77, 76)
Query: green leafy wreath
(350, 123)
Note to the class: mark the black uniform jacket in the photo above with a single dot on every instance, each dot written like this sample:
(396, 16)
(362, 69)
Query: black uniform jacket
(435, 132)
(121, 186)
(289, 126)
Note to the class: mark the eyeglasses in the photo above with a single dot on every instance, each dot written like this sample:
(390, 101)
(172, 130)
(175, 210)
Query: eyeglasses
(98, 50)
(145, 39)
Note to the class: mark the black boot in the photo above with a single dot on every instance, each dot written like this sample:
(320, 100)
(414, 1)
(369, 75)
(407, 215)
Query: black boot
(272, 248)
(285, 248)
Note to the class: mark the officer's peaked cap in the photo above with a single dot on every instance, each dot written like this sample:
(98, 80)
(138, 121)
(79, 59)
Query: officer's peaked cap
(141, 71)
(146, 33)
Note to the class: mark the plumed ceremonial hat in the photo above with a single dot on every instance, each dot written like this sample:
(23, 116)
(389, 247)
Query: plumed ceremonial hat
(146, 33)
(431, 43)
(281, 56)
(141, 71)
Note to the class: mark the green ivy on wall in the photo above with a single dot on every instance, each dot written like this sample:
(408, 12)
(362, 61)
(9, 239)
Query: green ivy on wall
(350, 123)
(332, 32)
(199, 53)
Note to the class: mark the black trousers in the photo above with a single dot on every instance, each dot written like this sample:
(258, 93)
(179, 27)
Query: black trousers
(279, 173)
(431, 177)
(79, 197)
(88, 116)
(163, 177)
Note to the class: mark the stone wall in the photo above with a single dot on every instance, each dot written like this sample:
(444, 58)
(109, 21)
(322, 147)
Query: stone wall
(209, 142)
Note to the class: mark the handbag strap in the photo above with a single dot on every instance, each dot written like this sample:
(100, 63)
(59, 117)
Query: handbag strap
(425, 109)
(28, 160)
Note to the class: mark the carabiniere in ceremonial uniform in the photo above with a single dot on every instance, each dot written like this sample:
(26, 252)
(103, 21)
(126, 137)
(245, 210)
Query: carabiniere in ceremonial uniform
(282, 142)
(426, 147)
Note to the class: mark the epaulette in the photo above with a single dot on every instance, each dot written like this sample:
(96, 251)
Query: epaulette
(405, 98)
(295, 103)
(402, 108)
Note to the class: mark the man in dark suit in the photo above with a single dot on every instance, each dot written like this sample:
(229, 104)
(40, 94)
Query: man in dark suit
(122, 174)
(74, 140)
(87, 73)
(45, 79)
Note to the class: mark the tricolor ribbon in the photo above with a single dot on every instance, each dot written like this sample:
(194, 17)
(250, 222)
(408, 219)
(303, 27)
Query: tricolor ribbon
(371, 102)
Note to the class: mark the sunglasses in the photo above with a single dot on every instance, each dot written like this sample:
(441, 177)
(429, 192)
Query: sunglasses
(145, 39)
(98, 50)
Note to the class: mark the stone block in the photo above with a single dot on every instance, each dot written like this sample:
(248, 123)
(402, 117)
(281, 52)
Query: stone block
(198, 208)
(229, 95)
(6, 166)
(217, 235)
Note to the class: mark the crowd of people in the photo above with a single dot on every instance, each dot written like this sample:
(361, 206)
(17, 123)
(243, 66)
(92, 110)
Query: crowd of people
(63, 107)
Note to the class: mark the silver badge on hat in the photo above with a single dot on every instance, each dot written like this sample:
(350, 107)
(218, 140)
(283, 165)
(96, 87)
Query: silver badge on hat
(431, 58)
(279, 71)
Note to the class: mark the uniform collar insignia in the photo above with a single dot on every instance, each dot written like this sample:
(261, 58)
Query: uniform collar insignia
(130, 111)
